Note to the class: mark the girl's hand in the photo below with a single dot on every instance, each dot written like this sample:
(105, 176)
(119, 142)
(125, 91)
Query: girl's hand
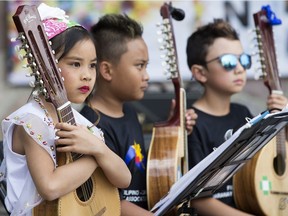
(79, 139)
(76, 139)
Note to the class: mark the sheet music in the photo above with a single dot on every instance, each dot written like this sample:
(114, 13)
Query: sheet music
(274, 122)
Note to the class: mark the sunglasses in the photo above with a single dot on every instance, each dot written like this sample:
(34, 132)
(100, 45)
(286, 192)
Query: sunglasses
(230, 61)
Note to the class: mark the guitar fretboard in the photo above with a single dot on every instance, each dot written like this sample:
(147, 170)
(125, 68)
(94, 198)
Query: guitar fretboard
(65, 114)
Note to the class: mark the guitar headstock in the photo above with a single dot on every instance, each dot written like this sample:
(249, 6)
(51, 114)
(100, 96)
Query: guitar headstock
(264, 21)
(40, 56)
(168, 40)
(170, 62)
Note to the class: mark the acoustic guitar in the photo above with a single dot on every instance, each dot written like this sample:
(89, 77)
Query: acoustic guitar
(97, 196)
(261, 186)
(167, 155)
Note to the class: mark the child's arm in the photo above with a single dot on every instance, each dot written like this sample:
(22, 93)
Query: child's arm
(79, 139)
(131, 209)
(51, 183)
(211, 206)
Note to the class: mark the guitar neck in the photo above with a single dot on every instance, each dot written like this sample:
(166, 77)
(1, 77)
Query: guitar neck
(65, 114)
(281, 143)
(183, 146)
(264, 21)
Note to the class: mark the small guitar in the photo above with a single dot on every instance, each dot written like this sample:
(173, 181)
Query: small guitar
(97, 196)
(261, 186)
(167, 156)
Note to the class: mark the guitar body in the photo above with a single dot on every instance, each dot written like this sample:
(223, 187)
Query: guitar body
(260, 190)
(97, 196)
(167, 156)
(96, 204)
(71, 205)
(46, 208)
(261, 186)
(163, 162)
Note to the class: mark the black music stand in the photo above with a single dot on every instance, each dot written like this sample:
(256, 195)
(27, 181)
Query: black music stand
(220, 165)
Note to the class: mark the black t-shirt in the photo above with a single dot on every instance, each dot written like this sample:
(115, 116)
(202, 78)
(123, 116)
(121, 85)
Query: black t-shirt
(124, 136)
(208, 133)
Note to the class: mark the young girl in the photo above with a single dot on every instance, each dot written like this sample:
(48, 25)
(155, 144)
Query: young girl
(30, 142)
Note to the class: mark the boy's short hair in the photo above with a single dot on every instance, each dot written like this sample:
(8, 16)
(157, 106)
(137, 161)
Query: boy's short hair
(199, 42)
(111, 34)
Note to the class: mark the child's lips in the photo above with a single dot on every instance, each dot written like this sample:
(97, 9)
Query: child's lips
(144, 87)
(239, 81)
(84, 89)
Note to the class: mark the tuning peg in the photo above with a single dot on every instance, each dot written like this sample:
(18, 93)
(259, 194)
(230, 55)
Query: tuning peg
(29, 74)
(32, 83)
(17, 48)
(31, 65)
(161, 48)
(167, 74)
(19, 37)
(24, 46)
(159, 32)
(254, 53)
(20, 57)
(258, 76)
(160, 40)
(44, 92)
(36, 93)
(27, 56)
(14, 39)
(33, 73)
(41, 83)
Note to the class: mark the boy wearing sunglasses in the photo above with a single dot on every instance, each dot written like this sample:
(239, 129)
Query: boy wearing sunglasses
(217, 61)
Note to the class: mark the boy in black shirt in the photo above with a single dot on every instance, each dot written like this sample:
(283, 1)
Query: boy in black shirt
(122, 56)
(216, 59)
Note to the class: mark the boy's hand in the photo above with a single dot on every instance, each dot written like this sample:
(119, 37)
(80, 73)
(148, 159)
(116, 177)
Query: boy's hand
(276, 102)
(190, 117)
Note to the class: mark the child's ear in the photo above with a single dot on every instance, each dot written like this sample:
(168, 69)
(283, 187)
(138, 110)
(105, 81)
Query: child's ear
(105, 70)
(199, 73)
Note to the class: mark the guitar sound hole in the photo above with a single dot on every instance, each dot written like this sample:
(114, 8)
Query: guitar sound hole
(84, 192)
(279, 165)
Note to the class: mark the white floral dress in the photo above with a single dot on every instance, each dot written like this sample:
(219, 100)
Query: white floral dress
(22, 194)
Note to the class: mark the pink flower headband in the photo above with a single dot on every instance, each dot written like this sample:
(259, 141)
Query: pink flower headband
(54, 20)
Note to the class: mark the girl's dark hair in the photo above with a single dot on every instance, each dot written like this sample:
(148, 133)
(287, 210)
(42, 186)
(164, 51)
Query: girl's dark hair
(65, 41)
(199, 42)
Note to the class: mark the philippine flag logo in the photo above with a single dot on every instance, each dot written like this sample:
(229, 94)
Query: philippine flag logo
(134, 152)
